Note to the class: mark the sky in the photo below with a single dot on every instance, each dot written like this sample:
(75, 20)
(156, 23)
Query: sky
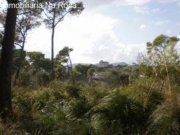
(110, 30)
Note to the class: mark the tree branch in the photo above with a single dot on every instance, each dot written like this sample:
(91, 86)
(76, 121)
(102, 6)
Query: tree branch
(61, 18)
(18, 45)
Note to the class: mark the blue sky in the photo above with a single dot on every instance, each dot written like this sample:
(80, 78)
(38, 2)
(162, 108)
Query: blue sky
(111, 30)
(144, 22)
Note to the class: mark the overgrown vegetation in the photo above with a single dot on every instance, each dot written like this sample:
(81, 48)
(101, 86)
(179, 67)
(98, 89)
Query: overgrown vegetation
(110, 105)
(54, 97)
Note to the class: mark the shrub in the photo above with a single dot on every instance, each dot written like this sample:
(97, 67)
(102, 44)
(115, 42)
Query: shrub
(121, 114)
(25, 78)
(43, 78)
(76, 108)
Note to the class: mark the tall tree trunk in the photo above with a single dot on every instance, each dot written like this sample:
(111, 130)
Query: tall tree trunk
(70, 62)
(52, 52)
(6, 61)
(52, 46)
(70, 68)
(68, 73)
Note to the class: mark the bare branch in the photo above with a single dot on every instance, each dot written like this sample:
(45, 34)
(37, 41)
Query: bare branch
(60, 19)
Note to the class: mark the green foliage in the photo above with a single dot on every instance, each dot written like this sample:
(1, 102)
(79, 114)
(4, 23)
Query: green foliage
(43, 78)
(64, 55)
(79, 8)
(49, 111)
(90, 72)
(76, 108)
(72, 91)
(19, 58)
(120, 114)
(25, 78)
(55, 15)
(38, 62)
(94, 93)
(165, 120)
(113, 105)
(83, 71)
(60, 71)
(161, 50)
(116, 77)
(144, 107)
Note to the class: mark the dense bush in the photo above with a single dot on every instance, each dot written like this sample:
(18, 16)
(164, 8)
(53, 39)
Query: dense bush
(118, 114)
(43, 78)
(144, 107)
(25, 78)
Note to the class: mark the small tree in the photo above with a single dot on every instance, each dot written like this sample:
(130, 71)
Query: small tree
(83, 70)
(38, 62)
(161, 50)
(164, 68)
(64, 57)
(90, 73)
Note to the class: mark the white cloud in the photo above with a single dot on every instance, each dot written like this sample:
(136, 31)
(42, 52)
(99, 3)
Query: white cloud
(97, 3)
(167, 1)
(163, 22)
(178, 24)
(143, 27)
(91, 36)
(140, 9)
(155, 10)
(137, 2)
(145, 10)
(169, 32)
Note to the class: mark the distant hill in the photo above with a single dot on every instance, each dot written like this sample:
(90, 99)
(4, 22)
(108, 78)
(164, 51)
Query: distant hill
(120, 64)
